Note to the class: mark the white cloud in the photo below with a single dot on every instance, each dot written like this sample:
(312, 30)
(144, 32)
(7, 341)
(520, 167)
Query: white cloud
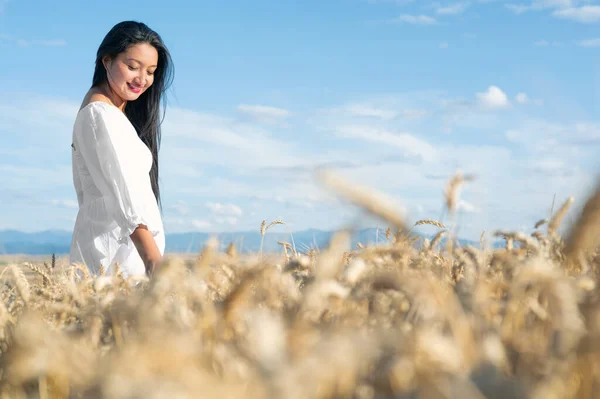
(230, 220)
(369, 111)
(201, 224)
(264, 113)
(309, 203)
(566, 9)
(443, 45)
(411, 180)
(196, 137)
(522, 98)
(537, 5)
(221, 216)
(414, 113)
(384, 110)
(181, 208)
(51, 43)
(23, 177)
(398, 2)
(414, 19)
(494, 97)
(183, 170)
(466, 206)
(517, 8)
(33, 117)
(549, 166)
(589, 42)
(584, 14)
(546, 43)
(540, 4)
(72, 204)
(27, 43)
(224, 209)
(413, 189)
(453, 9)
(546, 151)
(574, 142)
(412, 146)
(460, 113)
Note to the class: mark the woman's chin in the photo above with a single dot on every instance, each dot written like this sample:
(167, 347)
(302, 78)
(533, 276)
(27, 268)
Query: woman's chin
(131, 96)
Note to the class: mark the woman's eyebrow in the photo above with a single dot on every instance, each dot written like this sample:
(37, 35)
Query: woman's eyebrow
(133, 59)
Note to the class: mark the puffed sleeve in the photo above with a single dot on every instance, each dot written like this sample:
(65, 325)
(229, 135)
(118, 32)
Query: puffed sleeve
(117, 168)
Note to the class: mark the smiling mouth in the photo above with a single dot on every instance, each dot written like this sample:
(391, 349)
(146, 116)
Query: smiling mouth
(134, 89)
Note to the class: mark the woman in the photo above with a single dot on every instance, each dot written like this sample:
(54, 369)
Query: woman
(116, 137)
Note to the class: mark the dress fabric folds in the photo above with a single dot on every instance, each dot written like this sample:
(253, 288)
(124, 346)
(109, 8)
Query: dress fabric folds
(111, 177)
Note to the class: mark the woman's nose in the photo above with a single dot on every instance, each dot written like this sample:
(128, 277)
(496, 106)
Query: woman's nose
(141, 79)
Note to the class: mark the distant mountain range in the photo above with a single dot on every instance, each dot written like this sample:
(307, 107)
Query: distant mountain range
(58, 241)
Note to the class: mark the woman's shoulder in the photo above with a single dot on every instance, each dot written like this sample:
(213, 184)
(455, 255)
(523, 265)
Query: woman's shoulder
(96, 119)
(96, 102)
(96, 107)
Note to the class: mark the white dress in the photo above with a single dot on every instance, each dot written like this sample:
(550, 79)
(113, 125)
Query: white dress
(111, 168)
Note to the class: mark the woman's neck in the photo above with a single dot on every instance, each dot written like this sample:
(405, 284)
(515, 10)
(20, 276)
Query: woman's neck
(117, 101)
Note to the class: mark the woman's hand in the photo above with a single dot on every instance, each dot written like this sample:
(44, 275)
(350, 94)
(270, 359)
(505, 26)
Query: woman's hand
(147, 248)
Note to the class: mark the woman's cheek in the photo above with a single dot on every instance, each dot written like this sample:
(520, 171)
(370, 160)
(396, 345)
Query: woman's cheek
(127, 75)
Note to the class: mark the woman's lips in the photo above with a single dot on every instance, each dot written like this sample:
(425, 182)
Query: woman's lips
(135, 89)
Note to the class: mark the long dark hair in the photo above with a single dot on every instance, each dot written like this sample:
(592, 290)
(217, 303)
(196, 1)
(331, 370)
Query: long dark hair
(144, 113)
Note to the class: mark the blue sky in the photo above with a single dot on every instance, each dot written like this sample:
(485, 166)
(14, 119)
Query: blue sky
(394, 94)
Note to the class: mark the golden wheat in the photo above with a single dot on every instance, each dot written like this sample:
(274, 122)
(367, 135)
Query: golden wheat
(371, 321)
(430, 222)
(560, 214)
(452, 190)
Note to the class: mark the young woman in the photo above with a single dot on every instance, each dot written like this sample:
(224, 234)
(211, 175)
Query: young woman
(116, 138)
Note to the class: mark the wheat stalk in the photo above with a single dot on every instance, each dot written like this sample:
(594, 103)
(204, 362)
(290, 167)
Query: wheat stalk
(430, 222)
(285, 246)
(369, 200)
(263, 227)
(452, 189)
(584, 233)
(263, 230)
(206, 256)
(540, 223)
(519, 237)
(560, 214)
(437, 238)
(21, 283)
(231, 250)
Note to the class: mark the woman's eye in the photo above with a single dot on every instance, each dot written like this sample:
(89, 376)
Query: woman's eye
(131, 68)
(150, 73)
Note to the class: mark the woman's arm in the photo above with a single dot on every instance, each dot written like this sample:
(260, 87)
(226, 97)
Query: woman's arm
(147, 248)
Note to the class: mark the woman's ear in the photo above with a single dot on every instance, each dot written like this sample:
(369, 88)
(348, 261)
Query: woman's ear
(106, 62)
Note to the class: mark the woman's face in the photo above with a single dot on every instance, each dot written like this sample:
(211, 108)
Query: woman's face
(132, 72)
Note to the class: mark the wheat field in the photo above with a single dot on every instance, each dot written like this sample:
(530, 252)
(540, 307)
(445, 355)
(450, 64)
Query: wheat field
(401, 319)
